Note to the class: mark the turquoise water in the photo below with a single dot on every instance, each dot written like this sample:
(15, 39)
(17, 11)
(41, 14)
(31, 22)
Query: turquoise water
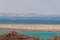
(39, 34)
(42, 34)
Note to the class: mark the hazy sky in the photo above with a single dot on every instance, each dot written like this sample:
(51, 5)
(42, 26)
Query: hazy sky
(44, 7)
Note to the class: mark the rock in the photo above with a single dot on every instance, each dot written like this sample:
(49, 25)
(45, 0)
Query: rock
(55, 38)
(34, 38)
(17, 36)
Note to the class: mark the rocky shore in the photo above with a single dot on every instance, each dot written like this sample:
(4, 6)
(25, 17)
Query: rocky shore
(17, 36)
(55, 38)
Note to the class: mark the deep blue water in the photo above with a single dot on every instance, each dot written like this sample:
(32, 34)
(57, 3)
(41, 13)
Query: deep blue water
(29, 20)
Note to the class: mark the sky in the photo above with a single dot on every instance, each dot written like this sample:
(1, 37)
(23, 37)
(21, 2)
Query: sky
(41, 7)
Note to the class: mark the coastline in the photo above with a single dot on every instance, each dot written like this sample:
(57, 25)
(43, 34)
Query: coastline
(31, 27)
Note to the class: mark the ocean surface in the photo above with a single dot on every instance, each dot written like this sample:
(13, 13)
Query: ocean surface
(31, 20)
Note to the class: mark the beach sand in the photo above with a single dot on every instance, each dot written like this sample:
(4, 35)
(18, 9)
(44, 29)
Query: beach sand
(31, 27)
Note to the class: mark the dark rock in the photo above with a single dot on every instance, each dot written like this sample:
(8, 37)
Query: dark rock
(34, 38)
(17, 36)
(55, 38)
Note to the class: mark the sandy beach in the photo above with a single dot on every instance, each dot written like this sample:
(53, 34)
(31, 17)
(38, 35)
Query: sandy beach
(31, 27)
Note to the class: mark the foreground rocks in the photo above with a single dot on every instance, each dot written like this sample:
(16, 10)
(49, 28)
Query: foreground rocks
(17, 36)
(55, 38)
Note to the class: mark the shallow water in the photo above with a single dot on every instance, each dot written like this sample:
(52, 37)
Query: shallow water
(38, 34)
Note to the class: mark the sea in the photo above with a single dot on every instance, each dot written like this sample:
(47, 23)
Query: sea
(29, 20)
(32, 20)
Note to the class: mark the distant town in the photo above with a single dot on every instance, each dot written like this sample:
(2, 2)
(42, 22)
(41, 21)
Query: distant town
(27, 15)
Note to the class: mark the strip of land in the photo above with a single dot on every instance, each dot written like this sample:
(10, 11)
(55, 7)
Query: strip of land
(31, 27)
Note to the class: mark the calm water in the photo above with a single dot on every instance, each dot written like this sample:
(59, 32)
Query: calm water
(32, 20)
(29, 20)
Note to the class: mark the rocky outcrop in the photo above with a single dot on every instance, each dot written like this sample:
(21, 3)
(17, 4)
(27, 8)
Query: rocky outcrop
(17, 36)
(55, 38)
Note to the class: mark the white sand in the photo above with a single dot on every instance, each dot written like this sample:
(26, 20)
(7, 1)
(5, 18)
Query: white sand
(31, 27)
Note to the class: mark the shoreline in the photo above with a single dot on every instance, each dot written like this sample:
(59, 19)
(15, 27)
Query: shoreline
(31, 27)
(28, 24)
